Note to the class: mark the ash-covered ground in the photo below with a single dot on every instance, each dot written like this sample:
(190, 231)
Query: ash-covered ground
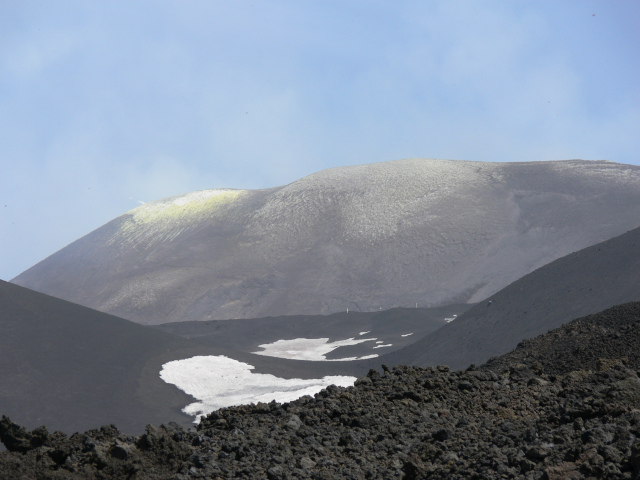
(526, 417)
(582, 344)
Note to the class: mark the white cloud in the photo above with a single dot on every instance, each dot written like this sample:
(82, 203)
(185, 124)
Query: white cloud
(24, 60)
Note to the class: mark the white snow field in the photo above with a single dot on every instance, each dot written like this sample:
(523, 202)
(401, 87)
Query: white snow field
(313, 349)
(219, 381)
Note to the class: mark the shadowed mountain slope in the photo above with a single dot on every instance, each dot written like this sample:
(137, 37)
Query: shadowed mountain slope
(594, 342)
(574, 286)
(392, 234)
(73, 368)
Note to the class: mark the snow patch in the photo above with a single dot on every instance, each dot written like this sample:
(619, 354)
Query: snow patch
(364, 333)
(406, 334)
(219, 381)
(313, 349)
(382, 346)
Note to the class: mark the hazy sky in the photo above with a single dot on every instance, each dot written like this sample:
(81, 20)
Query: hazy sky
(107, 104)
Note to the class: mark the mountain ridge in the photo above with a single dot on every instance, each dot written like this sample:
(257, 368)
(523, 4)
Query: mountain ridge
(383, 235)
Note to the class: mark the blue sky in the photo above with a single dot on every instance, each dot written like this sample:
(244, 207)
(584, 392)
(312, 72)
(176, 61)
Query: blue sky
(104, 105)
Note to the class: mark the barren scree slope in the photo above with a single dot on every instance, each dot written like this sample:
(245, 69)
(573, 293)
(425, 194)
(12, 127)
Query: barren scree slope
(579, 284)
(392, 234)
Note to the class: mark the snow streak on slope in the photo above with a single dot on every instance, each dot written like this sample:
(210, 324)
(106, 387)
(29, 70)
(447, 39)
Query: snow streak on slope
(314, 349)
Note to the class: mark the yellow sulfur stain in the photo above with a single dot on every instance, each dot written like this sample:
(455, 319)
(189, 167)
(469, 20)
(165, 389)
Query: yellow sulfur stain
(164, 220)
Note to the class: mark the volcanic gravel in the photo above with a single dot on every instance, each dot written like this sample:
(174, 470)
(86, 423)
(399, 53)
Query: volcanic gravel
(512, 421)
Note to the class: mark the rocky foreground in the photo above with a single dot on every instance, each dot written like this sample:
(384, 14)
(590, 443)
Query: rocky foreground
(515, 421)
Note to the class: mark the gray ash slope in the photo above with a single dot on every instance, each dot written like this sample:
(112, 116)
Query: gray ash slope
(408, 422)
(579, 284)
(384, 235)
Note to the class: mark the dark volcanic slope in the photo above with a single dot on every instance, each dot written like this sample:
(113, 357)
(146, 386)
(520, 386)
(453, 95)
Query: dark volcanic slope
(409, 423)
(587, 343)
(73, 368)
(395, 328)
(384, 235)
(579, 284)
